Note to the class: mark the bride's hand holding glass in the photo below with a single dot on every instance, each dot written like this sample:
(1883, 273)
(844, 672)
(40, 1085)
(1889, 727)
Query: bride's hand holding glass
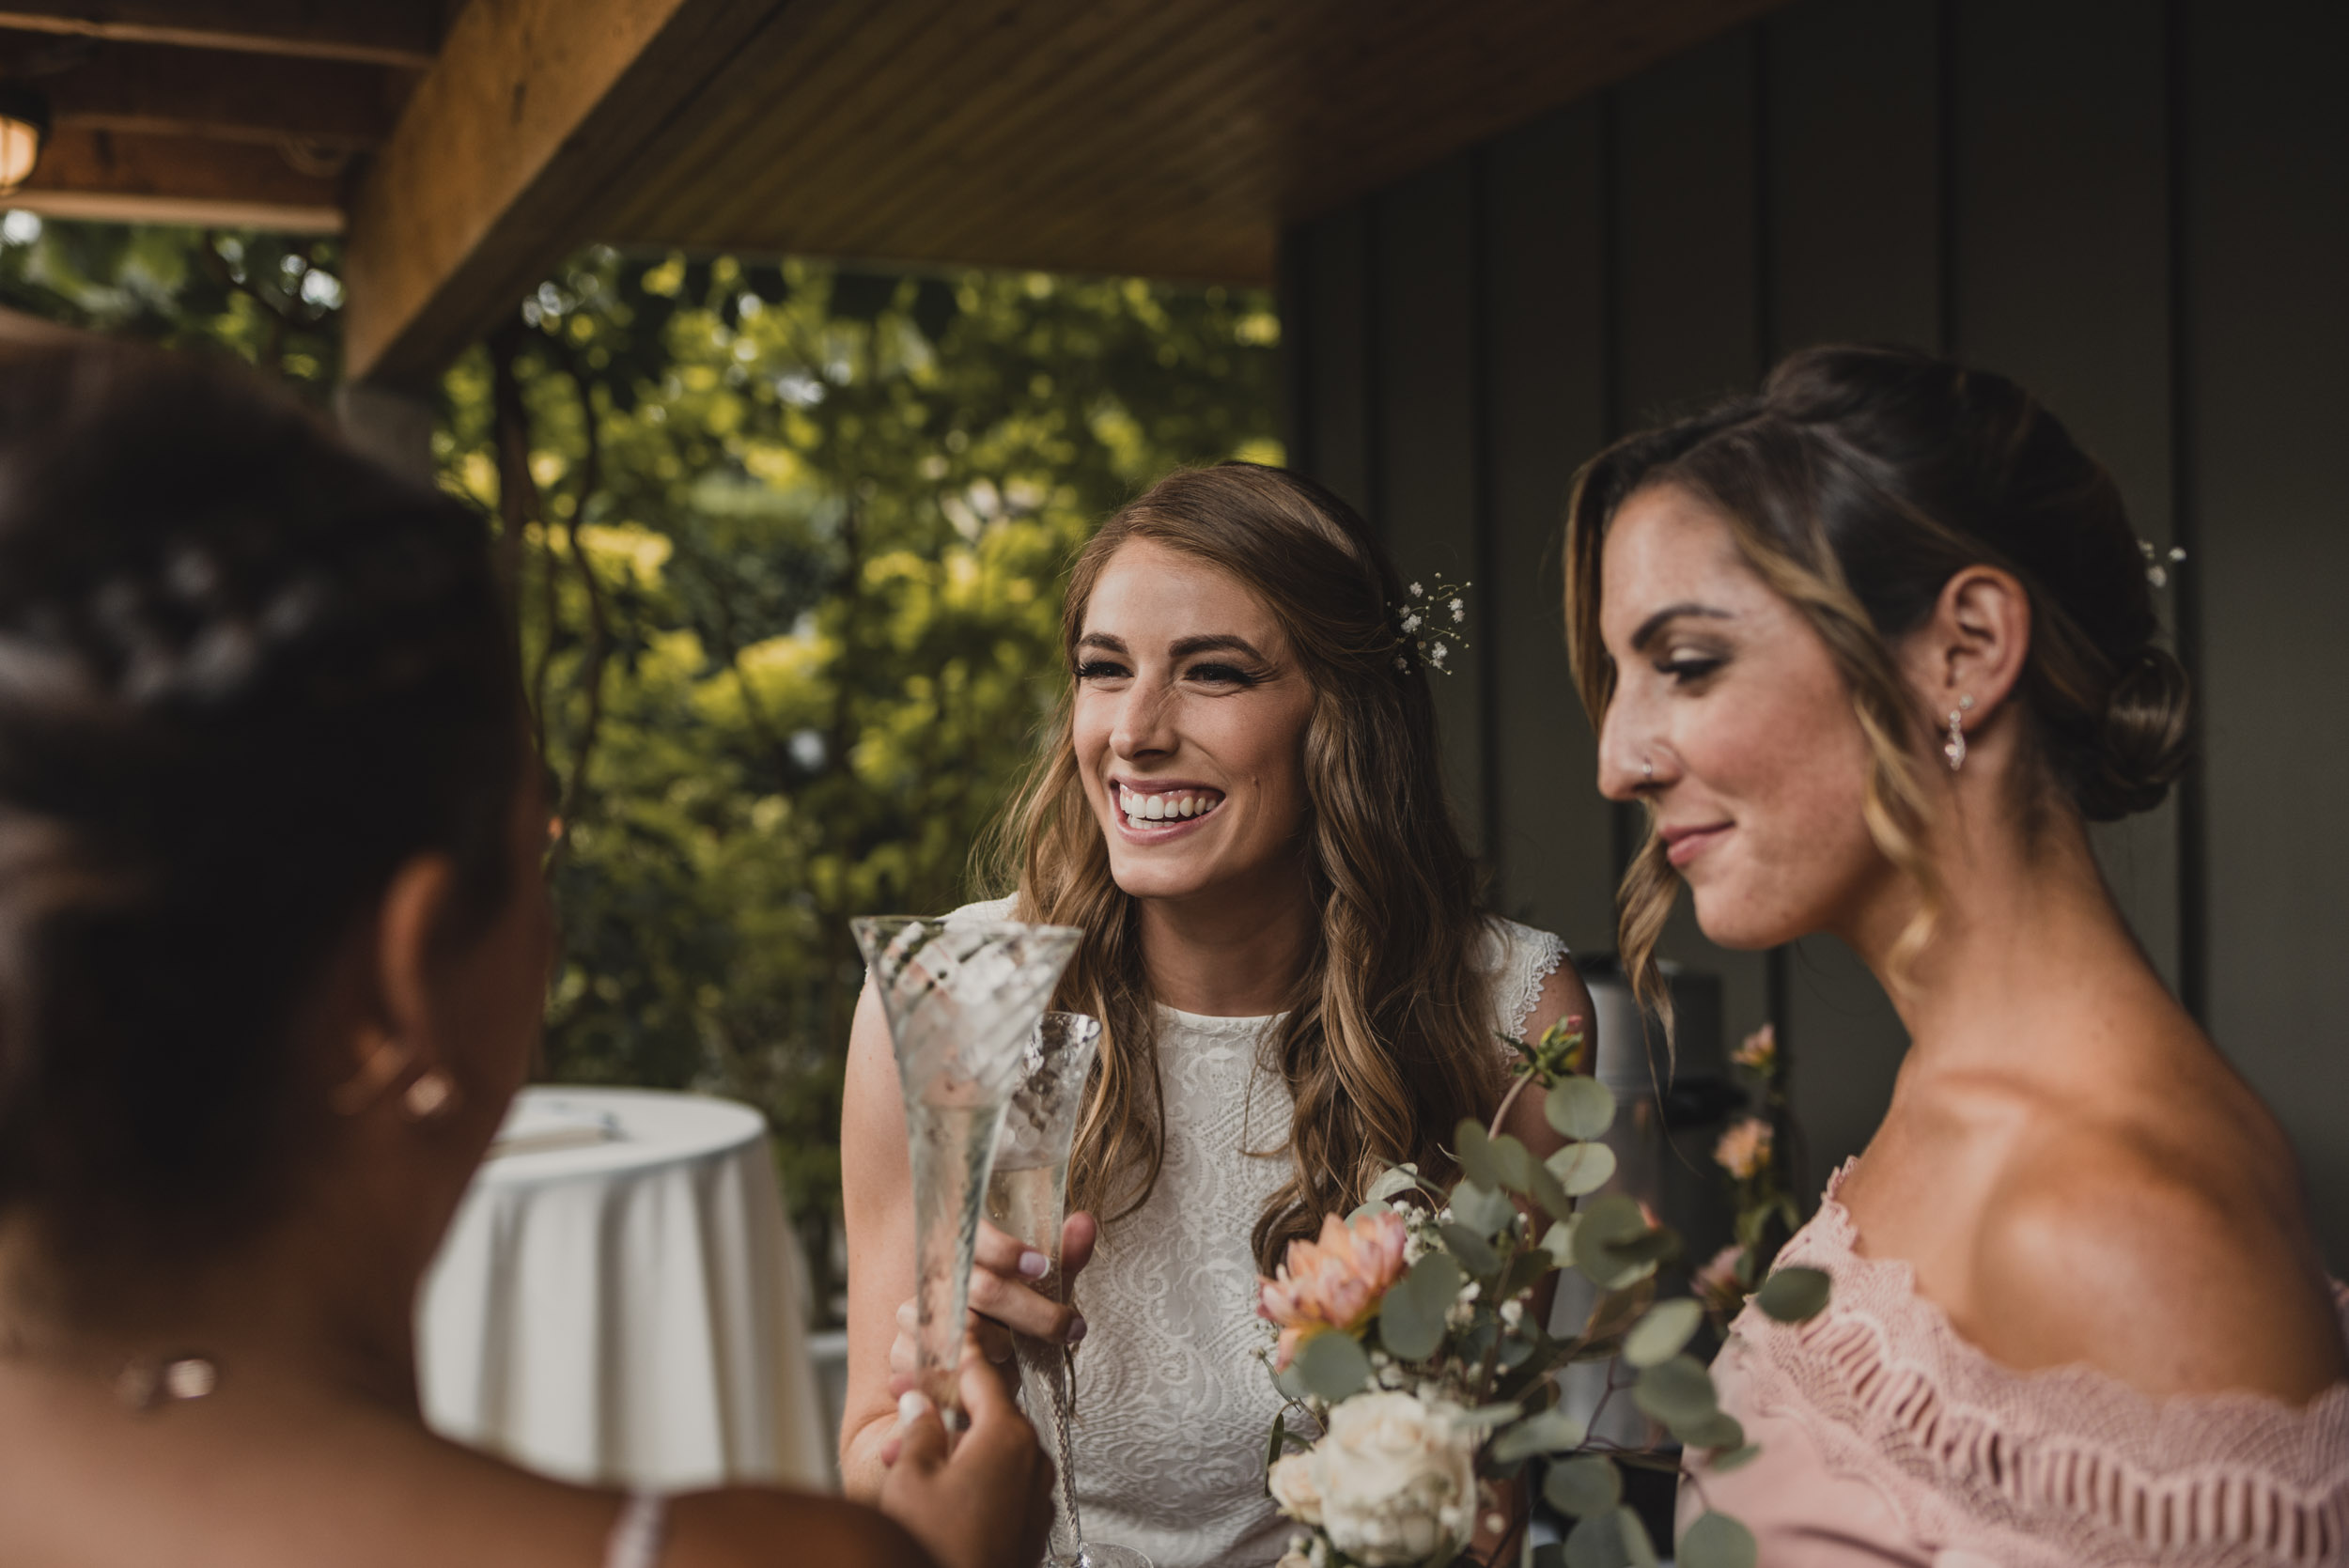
(1014, 1290)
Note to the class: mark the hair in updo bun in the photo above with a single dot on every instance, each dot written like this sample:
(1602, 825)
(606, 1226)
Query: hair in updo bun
(245, 675)
(1857, 481)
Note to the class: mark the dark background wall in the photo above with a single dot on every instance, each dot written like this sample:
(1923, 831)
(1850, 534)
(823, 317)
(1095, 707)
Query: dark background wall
(2140, 210)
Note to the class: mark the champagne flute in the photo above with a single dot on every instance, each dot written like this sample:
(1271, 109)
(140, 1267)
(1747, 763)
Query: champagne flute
(1027, 1194)
(962, 998)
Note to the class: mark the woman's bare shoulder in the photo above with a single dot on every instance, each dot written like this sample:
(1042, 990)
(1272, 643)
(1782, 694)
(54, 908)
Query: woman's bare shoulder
(2176, 1258)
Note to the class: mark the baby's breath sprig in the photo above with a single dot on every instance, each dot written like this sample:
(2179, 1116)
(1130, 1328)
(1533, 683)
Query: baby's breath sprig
(1431, 618)
(2158, 562)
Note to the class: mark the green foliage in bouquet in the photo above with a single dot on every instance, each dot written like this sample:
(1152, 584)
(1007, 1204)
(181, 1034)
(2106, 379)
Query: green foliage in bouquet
(1410, 1338)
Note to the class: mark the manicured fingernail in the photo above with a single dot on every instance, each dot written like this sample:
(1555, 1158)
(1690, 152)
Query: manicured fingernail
(911, 1406)
(1034, 1265)
(1076, 1329)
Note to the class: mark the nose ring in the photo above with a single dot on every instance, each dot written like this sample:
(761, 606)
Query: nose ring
(1648, 769)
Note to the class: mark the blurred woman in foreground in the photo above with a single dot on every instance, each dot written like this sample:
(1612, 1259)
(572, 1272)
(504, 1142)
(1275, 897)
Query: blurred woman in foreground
(273, 946)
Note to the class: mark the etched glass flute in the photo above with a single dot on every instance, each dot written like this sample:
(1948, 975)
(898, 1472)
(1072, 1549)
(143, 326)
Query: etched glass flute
(962, 998)
(1027, 1194)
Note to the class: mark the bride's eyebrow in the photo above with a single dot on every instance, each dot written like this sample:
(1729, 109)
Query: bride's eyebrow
(1103, 641)
(1670, 612)
(1185, 647)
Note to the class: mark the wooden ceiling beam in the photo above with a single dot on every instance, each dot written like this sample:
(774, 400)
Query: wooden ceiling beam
(143, 89)
(402, 33)
(167, 180)
(536, 112)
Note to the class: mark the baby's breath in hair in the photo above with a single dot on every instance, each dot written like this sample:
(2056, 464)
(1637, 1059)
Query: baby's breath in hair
(1430, 619)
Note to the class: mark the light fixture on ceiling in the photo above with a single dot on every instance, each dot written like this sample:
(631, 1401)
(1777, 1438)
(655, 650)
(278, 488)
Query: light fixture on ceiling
(24, 130)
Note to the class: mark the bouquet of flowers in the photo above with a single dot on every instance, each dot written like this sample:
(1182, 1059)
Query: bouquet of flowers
(1409, 1338)
(1750, 1156)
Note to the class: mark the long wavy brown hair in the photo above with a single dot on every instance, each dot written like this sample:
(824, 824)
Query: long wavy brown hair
(1385, 1044)
(1857, 483)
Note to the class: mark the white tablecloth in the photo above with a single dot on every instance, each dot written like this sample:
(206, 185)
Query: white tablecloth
(628, 1311)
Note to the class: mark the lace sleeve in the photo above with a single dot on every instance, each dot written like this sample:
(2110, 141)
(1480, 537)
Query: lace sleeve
(1521, 959)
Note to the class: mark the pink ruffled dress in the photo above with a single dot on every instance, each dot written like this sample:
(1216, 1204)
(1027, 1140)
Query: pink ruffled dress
(1887, 1439)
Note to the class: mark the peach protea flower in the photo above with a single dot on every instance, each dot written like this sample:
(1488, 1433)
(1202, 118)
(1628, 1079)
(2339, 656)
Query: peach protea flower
(1758, 1051)
(1335, 1282)
(1745, 1148)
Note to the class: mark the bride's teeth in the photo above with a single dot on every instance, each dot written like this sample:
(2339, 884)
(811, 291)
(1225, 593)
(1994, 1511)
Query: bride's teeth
(1188, 805)
(1154, 807)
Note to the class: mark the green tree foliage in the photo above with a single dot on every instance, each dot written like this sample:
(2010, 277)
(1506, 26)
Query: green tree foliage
(786, 544)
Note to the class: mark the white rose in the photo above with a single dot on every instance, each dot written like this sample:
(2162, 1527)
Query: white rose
(1296, 1488)
(1395, 1480)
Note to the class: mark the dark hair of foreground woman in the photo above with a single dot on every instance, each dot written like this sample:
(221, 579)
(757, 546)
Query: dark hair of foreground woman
(273, 950)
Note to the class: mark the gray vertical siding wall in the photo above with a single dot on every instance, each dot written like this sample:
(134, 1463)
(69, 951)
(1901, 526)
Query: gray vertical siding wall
(2140, 210)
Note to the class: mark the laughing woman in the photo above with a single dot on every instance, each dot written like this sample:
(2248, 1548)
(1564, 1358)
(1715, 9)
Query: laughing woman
(1241, 806)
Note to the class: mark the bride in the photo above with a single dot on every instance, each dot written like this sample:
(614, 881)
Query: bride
(1874, 647)
(1241, 805)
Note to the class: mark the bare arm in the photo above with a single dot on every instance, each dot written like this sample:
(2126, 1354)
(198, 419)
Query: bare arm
(877, 1204)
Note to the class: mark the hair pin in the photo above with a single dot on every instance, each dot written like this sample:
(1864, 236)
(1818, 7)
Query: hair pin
(1431, 620)
(2157, 562)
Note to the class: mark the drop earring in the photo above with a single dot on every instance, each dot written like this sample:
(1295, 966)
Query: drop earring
(1955, 748)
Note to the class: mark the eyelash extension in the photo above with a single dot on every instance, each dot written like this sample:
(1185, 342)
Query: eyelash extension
(1685, 670)
(1098, 668)
(1232, 674)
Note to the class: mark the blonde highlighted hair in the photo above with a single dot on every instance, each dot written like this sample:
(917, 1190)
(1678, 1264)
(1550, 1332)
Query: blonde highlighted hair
(1856, 483)
(1385, 1044)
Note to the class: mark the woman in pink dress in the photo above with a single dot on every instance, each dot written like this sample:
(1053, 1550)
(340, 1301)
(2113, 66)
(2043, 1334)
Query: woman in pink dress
(1874, 646)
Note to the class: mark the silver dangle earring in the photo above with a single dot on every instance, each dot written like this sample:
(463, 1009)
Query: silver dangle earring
(1955, 748)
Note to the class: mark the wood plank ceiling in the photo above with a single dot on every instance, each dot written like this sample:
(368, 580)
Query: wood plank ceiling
(1165, 137)
(469, 144)
(227, 112)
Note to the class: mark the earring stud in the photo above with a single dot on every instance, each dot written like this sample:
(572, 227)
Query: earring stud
(432, 1097)
(1955, 748)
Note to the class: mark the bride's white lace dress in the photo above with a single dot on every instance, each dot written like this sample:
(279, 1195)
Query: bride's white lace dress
(1172, 1404)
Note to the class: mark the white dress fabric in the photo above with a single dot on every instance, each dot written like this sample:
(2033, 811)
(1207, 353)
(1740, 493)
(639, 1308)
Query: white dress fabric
(1174, 1403)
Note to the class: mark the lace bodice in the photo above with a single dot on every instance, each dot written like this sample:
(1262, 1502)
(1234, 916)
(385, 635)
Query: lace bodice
(1887, 1439)
(1173, 1404)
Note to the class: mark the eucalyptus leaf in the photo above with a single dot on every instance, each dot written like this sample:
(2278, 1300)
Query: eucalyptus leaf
(1737, 1458)
(1610, 1540)
(1290, 1382)
(1491, 1414)
(1332, 1365)
(1471, 1246)
(1392, 1183)
(1582, 1168)
(1583, 1487)
(1677, 1392)
(1558, 1241)
(1580, 1107)
(1475, 1151)
(1551, 1431)
(1720, 1430)
(1543, 1186)
(1512, 1162)
(1280, 1435)
(1664, 1332)
(1368, 1206)
(1411, 1317)
(1608, 1240)
(1718, 1541)
(1482, 1209)
(1793, 1295)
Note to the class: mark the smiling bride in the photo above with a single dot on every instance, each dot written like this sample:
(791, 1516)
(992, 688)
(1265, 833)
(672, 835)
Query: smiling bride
(1241, 804)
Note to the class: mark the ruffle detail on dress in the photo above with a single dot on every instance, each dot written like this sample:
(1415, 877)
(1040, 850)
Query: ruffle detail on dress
(2064, 1465)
